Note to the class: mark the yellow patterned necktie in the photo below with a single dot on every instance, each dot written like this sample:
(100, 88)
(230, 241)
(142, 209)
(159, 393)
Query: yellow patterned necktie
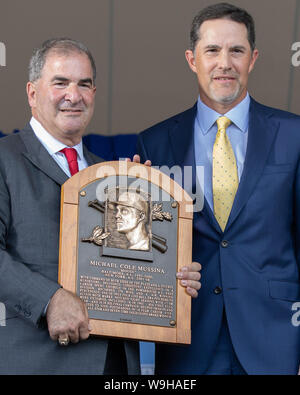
(225, 175)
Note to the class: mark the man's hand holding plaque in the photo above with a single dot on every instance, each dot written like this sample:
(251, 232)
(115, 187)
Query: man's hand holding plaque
(67, 318)
(189, 277)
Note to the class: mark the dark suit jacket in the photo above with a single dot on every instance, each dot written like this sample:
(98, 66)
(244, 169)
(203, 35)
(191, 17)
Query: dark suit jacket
(30, 183)
(258, 267)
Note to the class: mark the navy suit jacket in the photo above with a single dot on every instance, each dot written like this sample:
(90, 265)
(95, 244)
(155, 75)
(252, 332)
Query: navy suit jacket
(258, 267)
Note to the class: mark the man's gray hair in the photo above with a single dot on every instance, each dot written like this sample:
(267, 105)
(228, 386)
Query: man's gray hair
(64, 46)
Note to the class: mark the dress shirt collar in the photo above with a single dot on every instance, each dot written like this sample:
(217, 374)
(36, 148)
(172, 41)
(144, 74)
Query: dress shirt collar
(52, 145)
(239, 115)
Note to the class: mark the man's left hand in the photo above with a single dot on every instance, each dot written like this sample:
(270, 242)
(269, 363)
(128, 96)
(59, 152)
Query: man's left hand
(189, 277)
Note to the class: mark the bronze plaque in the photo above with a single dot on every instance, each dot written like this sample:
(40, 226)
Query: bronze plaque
(127, 251)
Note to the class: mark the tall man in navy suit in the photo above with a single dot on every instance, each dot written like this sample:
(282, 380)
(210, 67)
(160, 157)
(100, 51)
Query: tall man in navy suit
(247, 237)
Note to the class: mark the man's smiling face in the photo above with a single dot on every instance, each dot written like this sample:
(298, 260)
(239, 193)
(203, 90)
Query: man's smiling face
(62, 100)
(222, 61)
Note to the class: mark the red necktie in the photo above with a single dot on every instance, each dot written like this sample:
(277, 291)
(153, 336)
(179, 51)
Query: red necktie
(71, 155)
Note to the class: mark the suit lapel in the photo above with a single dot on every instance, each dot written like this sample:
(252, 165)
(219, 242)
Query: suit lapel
(262, 133)
(182, 139)
(40, 158)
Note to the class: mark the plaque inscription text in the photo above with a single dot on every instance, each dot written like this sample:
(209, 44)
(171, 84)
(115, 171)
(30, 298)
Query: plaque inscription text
(127, 289)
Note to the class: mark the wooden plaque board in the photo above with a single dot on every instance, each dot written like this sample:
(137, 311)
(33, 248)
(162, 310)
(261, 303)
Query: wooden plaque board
(72, 192)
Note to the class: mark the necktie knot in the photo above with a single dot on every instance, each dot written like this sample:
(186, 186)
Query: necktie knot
(71, 156)
(223, 123)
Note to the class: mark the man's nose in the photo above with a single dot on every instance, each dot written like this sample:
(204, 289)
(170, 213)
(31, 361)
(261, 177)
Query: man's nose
(224, 61)
(73, 93)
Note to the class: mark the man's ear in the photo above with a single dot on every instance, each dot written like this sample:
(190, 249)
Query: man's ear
(255, 55)
(190, 58)
(142, 216)
(31, 94)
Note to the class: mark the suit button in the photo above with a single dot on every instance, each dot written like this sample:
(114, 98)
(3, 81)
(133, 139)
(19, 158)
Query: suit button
(217, 290)
(224, 243)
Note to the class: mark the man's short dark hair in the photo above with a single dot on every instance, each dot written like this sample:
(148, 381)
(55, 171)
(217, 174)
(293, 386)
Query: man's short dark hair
(61, 45)
(222, 11)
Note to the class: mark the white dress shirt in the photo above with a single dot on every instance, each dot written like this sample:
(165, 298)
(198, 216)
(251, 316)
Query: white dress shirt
(53, 146)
